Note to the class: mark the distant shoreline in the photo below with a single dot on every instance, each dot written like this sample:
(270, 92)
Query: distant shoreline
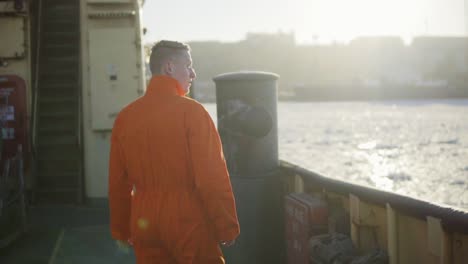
(459, 100)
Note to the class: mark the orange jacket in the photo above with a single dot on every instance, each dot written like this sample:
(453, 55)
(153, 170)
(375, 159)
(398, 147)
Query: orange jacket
(166, 149)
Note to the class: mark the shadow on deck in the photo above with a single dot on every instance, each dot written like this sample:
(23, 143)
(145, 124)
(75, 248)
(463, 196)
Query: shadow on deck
(60, 234)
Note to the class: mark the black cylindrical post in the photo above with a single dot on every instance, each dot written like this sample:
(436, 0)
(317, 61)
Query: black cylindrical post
(247, 123)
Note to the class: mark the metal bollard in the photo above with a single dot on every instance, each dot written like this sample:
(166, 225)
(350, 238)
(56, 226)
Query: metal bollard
(247, 123)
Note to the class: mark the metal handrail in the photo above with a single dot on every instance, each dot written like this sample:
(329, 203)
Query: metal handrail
(80, 115)
(79, 95)
(36, 78)
(452, 219)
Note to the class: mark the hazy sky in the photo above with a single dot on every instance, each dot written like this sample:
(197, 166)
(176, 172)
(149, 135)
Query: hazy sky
(228, 20)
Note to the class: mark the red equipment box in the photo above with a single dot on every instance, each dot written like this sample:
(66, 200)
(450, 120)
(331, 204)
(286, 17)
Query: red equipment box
(13, 115)
(306, 216)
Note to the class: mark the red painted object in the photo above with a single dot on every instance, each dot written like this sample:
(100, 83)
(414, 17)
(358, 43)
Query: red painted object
(13, 115)
(306, 216)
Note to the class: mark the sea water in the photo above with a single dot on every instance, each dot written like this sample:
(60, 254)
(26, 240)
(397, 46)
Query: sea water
(416, 148)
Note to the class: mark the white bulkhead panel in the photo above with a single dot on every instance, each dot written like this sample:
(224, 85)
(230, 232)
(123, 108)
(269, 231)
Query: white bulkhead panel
(113, 73)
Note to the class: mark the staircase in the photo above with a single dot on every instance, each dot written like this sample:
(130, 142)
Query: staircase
(57, 129)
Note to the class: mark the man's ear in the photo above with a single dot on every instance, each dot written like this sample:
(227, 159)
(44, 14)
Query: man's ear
(169, 68)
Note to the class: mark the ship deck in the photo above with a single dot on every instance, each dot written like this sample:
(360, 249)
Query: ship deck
(59, 234)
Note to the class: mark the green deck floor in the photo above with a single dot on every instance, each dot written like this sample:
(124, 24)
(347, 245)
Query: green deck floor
(65, 235)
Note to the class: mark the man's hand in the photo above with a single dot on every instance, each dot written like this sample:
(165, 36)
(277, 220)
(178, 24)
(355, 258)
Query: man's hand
(123, 246)
(228, 243)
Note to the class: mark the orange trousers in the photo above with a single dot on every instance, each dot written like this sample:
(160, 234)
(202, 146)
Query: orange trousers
(161, 256)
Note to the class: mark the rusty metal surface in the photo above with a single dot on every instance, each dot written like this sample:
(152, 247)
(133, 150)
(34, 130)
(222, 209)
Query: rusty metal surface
(305, 216)
(453, 219)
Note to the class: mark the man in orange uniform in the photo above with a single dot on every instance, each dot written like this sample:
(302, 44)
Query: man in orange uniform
(169, 190)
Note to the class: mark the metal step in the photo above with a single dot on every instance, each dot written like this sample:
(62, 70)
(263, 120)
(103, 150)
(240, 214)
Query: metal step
(60, 6)
(59, 88)
(54, 165)
(55, 78)
(57, 180)
(58, 73)
(59, 51)
(58, 114)
(53, 12)
(59, 85)
(57, 129)
(54, 60)
(65, 126)
(66, 107)
(72, 23)
(56, 190)
(58, 99)
(59, 195)
(60, 2)
(65, 139)
(60, 37)
(51, 139)
(51, 121)
(49, 196)
(54, 132)
(46, 120)
(67, 151)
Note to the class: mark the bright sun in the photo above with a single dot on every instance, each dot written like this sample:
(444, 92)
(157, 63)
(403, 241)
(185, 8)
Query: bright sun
(345, 19)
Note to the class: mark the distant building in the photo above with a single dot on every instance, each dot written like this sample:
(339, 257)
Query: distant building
(279, 38)
(380, 67)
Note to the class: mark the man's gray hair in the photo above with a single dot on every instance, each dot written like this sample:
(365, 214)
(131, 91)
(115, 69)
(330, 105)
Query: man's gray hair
(164, 50)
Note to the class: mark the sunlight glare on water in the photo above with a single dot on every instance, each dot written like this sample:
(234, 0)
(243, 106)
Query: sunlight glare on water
(415, 148)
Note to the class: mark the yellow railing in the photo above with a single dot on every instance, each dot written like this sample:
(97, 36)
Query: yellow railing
(410, 230)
